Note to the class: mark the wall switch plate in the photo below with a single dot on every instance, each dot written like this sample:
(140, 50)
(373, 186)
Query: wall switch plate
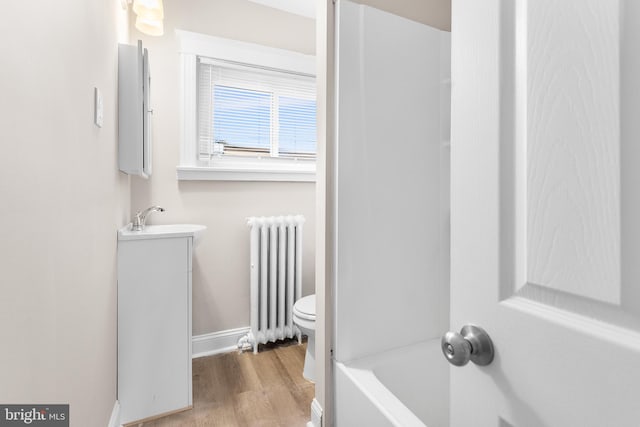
(98, 116)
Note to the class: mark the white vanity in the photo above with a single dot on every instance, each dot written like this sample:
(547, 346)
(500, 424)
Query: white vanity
(154, 320)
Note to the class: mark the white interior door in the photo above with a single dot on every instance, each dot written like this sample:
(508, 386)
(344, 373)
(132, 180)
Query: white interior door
(546, 210)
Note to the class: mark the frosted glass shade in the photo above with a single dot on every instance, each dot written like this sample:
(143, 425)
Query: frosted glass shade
(149, 9)
(152, 27)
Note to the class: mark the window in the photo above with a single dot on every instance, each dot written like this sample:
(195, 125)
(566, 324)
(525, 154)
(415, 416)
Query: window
(249, 112)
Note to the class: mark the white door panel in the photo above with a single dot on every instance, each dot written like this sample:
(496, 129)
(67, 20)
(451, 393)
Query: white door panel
(545, 201)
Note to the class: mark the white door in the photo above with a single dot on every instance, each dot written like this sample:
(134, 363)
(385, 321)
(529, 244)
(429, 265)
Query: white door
(546, 210)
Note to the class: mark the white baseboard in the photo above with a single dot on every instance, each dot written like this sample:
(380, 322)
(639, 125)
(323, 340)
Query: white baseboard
(114, 421)
(316, 414)
(217, 342)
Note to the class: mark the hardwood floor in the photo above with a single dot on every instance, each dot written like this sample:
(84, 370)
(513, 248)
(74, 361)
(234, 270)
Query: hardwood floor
(245, 390)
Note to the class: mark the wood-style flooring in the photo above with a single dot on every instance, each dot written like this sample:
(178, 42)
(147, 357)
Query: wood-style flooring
(245, 390)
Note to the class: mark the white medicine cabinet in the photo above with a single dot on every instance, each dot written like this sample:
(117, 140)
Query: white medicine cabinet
(134, 110)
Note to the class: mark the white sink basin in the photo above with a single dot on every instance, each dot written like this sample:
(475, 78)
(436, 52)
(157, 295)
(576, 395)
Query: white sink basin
(163, 231)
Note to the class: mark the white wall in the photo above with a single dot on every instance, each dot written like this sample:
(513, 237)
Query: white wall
(62, 201)
(392, 187)
(221, 263)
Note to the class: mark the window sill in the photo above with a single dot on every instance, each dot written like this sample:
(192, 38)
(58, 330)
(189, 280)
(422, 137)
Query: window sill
(250, 170)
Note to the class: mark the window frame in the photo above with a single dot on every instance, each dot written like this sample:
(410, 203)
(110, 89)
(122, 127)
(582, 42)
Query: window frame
(194, 45)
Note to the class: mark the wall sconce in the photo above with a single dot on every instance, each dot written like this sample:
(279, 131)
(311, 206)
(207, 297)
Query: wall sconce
(150, 15)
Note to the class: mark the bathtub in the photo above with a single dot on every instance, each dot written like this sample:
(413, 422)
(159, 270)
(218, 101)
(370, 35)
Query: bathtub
(404, 387)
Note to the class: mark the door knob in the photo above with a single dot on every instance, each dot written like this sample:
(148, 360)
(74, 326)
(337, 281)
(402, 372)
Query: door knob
(472, 343)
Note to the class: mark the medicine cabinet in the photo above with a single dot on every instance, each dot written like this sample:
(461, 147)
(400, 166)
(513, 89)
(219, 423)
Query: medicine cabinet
(134, 110)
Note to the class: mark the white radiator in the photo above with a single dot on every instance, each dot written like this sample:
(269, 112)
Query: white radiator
(276, 278)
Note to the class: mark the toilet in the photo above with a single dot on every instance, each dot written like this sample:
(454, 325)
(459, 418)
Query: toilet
(304, 316)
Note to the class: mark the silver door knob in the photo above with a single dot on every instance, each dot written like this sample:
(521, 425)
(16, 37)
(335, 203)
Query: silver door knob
(472, 343)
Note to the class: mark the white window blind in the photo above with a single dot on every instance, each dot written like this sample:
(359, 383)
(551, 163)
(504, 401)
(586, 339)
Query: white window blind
(252, 111)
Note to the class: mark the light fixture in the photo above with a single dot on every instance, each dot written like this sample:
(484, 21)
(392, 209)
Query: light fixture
(150, 15)
(152, 27)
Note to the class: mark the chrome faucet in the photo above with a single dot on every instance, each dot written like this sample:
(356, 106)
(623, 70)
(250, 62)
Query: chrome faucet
(141, 217)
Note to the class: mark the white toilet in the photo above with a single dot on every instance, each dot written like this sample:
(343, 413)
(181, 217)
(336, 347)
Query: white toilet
(304, 316)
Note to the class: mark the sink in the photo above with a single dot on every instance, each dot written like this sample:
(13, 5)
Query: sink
(163, 231)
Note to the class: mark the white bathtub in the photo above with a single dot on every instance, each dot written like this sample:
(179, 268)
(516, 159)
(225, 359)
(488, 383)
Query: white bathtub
(404, 387)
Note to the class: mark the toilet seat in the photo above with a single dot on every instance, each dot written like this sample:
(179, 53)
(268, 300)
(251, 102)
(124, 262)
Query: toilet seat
(305, 308)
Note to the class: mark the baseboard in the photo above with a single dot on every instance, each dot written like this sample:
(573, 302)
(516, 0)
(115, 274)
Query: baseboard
(316, 414)
(114, 421)
(217, 342)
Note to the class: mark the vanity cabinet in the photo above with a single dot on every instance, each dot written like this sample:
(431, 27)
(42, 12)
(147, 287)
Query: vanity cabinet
(154, 322)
